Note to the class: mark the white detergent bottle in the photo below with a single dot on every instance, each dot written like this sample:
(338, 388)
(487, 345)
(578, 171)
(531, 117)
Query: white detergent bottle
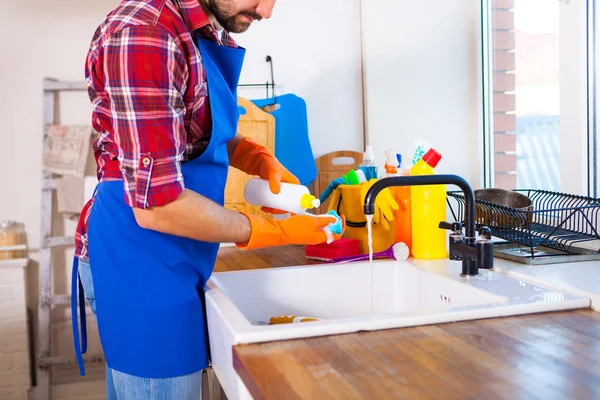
(291, 198)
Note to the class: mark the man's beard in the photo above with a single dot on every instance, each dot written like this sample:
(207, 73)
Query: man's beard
(236, 23)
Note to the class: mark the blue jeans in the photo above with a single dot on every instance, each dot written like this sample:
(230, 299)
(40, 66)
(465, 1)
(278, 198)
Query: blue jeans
(120, 386)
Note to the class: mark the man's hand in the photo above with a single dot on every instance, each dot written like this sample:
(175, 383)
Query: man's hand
(194, 216)
(272, 170)
(298, 229)
(254, 159)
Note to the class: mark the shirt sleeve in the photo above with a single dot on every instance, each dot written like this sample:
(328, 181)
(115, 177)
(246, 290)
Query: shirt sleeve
(145, 76)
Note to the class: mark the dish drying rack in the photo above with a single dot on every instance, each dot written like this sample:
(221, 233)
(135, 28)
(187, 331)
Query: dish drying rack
(556, 228)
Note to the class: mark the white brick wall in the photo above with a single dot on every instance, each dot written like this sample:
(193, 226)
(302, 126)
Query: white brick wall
(67, 384)
(14, 341)
(13, 393)
(83, 390)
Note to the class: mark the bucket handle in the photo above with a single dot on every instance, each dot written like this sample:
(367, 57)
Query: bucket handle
(349, 223)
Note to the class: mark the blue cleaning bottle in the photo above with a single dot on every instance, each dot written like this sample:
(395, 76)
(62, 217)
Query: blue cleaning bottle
(368, 165)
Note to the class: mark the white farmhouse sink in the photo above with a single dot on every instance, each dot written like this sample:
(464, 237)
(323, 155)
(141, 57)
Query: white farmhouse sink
(344, 299)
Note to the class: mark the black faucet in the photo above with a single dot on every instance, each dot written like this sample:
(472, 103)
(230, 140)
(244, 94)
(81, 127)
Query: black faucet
(475, 253)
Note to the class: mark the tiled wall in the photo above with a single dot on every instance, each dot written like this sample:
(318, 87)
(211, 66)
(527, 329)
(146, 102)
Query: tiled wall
(15, 377)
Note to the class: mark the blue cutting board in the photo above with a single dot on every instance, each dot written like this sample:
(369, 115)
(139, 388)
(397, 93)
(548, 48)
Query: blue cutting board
(292, 144)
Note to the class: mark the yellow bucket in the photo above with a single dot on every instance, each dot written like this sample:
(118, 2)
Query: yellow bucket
(346, 201)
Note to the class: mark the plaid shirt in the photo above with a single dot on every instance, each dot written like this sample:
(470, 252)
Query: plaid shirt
(148, 90)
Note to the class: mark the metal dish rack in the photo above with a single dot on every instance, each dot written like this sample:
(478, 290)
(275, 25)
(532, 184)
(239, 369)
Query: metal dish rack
(557, 227)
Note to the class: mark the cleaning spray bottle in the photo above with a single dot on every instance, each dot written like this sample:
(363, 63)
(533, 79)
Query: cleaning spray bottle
(391, 163)
(368, 165)
(428, 208)
(403, 215)
(291, 198)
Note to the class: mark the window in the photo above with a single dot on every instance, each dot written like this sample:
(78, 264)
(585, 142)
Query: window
(594, 91)
(536, 94)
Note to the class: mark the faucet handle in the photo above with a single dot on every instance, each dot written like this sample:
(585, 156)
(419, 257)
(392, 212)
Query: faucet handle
(485, 248)
(456, 236)
(455, 226)
(485, 233)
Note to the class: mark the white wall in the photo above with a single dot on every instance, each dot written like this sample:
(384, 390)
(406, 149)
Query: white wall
(423, 79)
(316, 53)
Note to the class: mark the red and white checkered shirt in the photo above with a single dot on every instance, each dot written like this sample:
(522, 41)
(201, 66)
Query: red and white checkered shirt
(148, 90)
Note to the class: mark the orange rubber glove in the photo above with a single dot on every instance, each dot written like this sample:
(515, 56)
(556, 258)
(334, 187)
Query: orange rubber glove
(385, 204)
(254, 159)
(297, 229)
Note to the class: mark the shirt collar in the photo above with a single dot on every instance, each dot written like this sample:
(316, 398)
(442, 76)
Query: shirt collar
(195, 18)
(193, 14)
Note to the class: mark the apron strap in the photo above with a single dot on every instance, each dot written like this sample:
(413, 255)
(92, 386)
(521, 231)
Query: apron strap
(76, 286)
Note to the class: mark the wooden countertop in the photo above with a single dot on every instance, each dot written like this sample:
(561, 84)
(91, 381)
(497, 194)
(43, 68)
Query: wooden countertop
(541, 356)
(233, 259)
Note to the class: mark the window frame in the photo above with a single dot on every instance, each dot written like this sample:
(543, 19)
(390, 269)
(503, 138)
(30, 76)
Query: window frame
(579, 164)
(593, 64)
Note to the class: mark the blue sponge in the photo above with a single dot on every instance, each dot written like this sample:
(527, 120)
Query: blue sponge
(336, 227)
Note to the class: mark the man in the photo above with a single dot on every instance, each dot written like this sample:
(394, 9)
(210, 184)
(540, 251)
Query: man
(162, 78)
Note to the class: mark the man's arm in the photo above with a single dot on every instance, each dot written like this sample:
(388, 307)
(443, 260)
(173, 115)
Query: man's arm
(194, 216)
(147, 74)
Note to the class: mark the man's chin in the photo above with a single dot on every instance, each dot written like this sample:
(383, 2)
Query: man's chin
(238, 24)
(240, 28)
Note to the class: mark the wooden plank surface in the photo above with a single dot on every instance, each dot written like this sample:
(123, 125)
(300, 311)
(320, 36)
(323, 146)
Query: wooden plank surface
(233, 259)
(329, 169)
(259, 126)
(540, 356)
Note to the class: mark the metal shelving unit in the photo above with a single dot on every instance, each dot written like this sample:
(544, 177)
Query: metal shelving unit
(47, 299)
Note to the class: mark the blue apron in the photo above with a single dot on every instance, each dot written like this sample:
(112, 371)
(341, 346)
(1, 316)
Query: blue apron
(149, 285)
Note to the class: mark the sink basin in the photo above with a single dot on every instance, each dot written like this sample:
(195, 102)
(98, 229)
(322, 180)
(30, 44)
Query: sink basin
(355, 297)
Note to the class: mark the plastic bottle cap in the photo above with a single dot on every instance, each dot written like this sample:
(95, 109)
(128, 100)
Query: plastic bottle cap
(309, 201)
(432, 158)
(368, 155)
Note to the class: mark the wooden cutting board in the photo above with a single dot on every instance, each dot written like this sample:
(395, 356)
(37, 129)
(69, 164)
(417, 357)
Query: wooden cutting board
(331, 166)
(260, 126)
